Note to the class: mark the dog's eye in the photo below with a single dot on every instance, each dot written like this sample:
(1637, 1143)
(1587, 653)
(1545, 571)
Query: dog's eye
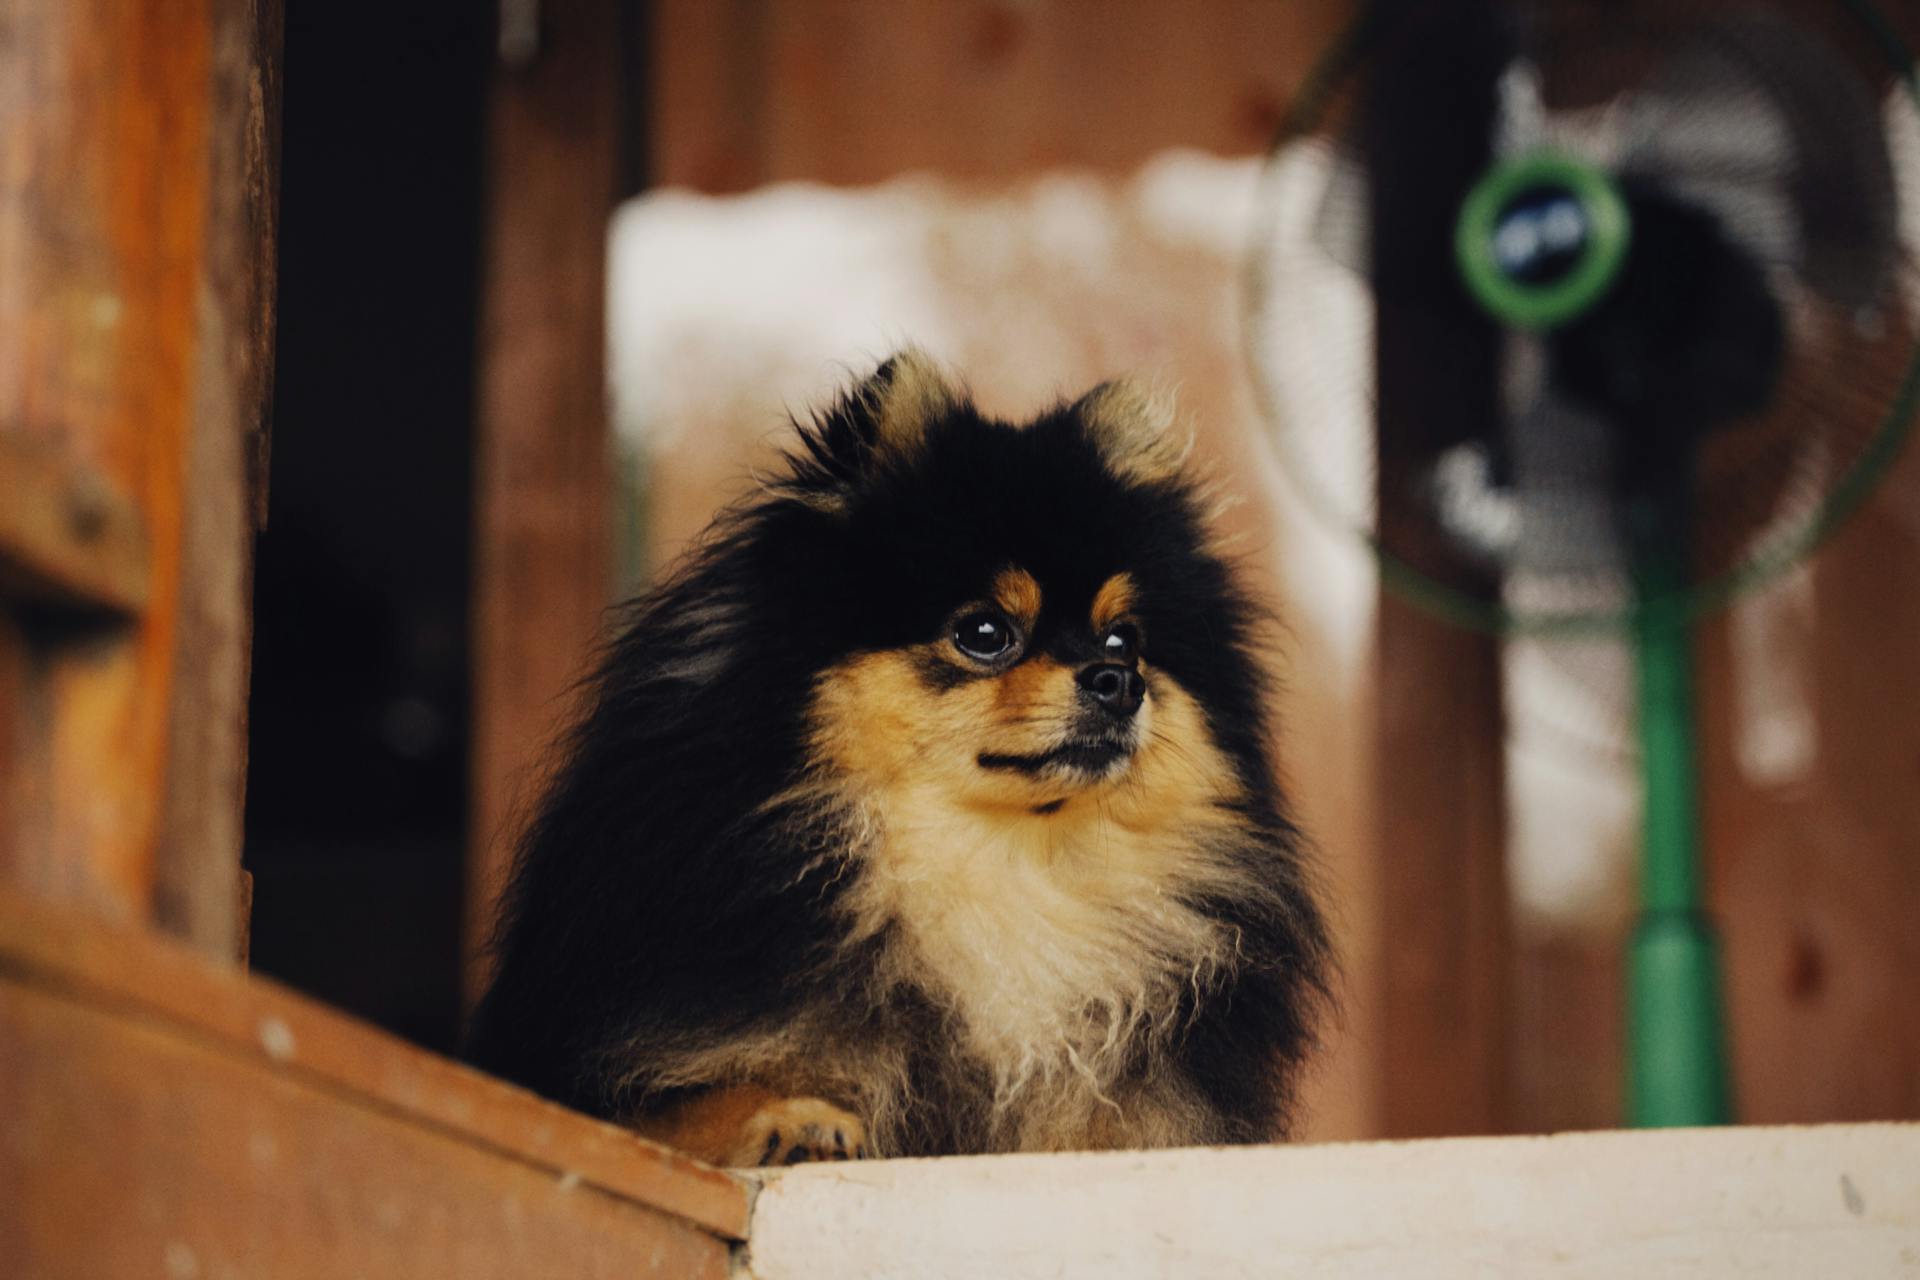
(1122, 644)
(984, 635)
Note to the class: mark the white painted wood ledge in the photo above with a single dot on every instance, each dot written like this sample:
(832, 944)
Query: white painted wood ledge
(1816, 1203)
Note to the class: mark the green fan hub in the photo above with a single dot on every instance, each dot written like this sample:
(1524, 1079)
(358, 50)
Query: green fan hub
(1540, 239)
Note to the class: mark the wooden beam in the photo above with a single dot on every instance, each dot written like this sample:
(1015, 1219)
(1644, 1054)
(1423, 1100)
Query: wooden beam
(136, 1152)
(541, 577)
(259, 1032)
(753, 91)
(1676, 1205)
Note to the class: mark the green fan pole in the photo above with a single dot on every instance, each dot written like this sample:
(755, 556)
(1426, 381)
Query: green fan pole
(1677, 1071)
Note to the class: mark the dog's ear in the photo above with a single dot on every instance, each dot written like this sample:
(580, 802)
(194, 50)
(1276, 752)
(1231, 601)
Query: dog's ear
(1137, 432)
(903, 398)
(883, 419)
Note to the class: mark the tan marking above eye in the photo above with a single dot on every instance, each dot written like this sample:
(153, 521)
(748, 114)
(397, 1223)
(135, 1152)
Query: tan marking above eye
(1113, 602)
(1015, 591)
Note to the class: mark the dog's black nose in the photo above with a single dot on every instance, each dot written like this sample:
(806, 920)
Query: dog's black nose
(1116, 687)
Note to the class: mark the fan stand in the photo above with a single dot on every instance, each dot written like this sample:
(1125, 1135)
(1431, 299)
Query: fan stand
(1676, 1050)
(1676, 1047)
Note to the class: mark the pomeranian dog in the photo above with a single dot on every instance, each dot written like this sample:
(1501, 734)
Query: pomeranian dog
(927, 808)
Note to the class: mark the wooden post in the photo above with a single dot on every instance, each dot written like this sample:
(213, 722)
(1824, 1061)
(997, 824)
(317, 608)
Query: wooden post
(136, 206)
(541, 556)
(105, 112)
(199, 888)
(1440, 763)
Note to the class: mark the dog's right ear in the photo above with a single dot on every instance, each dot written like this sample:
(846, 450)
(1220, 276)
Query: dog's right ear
(883, 420)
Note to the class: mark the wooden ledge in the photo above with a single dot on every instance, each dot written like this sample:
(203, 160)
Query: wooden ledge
(148, 983)
(1841, 1200)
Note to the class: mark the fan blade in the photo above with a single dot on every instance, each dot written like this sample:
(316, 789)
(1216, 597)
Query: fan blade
(1759, 121)
(1552, 517)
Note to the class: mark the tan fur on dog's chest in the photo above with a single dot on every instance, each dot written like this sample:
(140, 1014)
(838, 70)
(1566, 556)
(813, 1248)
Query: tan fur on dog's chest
(1060, 943)
(1052, 938)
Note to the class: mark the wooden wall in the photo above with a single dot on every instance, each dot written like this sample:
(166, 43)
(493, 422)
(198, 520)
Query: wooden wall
(840, 91)
(1816, 873)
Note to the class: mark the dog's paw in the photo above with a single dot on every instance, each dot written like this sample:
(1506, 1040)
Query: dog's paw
(797, 1130)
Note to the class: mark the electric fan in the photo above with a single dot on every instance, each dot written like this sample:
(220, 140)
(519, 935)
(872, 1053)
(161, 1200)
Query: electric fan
(1588, 316)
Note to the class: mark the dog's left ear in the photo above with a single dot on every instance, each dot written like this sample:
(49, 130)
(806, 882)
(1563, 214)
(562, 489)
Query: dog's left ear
(883, 419)
(902, 399)
(1137, 432)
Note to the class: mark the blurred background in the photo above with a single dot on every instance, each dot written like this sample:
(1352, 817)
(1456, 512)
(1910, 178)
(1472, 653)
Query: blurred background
(554, 278)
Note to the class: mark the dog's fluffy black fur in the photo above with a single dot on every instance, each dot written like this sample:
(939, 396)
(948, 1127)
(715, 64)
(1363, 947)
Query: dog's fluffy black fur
(750, 874)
